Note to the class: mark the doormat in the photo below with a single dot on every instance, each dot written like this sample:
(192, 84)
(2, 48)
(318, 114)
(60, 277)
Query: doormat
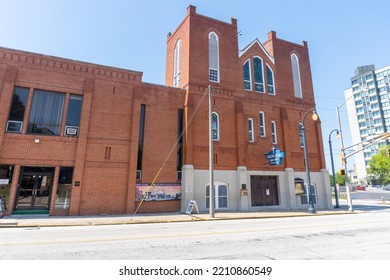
(29, 212)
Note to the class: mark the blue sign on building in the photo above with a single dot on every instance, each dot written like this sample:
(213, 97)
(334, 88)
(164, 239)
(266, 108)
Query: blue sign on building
(275, 157)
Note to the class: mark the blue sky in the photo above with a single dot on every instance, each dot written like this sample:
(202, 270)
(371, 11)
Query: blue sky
(132, 34)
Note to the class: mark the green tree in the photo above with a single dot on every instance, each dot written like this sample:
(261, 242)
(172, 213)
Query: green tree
(379, 166)
(331, 179)
(339, 180)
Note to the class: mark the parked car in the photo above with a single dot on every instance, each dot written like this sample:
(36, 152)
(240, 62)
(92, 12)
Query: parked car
(360, 188)
(386, 188)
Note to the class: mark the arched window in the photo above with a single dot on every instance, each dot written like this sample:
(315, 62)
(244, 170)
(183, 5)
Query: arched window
(247, 75)
(259, 79)
(177, 64)
(296, 76)
(213, 58)
(221, 195)
(215, 126)
(270, 81)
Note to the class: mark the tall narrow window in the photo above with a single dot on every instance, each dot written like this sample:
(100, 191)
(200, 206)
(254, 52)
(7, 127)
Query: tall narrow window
(73, 116)
(215, 126)
(270, 81)
(274, 136)
(262, 124)
(74, 110)
(18, 107)
(247, 75)
(259, 79)
(222, 196)
(46, 112)
(313, 192)
(301, 137)
(213, 58)
(250, 130)
(296, 76)
(177, 64)
(64, 188)
(6, 174)
(180, 127)
(140, 141)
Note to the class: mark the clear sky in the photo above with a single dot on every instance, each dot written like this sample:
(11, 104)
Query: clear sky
(132, 34)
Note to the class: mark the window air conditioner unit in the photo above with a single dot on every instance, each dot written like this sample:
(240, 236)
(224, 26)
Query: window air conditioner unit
(14, 126)
(71, 130)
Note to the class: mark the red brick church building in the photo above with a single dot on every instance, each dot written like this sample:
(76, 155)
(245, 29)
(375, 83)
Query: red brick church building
(81, 139)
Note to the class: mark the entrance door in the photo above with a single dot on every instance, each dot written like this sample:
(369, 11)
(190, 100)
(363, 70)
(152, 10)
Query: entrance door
(34, 190)
(264, 190)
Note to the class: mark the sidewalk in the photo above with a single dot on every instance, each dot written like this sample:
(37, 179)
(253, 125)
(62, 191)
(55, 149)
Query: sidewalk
(51, 221)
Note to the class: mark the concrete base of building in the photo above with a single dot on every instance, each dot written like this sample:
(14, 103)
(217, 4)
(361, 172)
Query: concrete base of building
(252, 190)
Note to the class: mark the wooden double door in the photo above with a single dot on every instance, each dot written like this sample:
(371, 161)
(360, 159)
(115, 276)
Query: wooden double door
(264, 190)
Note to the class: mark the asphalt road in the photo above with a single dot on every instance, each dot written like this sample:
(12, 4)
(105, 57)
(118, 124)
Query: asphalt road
(371, 194)
(373, 199)
(345, 236)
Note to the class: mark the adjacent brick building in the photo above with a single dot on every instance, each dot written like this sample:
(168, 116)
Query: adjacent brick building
(78, 138)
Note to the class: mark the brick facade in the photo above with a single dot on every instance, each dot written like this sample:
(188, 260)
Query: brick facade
(104, 155)
(235, 105)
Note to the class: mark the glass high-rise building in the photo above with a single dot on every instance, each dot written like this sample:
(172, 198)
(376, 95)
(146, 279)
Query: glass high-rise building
(368, 111)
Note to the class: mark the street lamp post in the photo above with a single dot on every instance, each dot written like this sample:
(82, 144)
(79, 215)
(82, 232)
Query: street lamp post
(311, 208)
(331, 160)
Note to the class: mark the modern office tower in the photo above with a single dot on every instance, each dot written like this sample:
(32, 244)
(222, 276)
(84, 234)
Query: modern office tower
(368, 111)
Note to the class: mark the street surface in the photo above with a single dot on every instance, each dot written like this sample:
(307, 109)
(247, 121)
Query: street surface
(373, 199)
(358, 236)
(375, 194)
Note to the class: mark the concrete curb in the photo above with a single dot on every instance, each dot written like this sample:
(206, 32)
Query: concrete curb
(148, 219)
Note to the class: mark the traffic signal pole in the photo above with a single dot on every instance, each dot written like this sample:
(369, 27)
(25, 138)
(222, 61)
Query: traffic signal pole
(344, 160)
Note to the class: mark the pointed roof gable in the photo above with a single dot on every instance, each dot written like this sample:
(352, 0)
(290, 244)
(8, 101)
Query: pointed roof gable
(254, 42)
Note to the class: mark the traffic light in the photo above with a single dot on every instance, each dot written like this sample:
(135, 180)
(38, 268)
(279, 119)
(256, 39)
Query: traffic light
(341, 172)
(342, 158)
